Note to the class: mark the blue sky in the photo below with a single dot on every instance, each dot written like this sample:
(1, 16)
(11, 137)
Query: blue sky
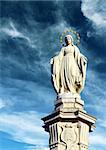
(29, 37)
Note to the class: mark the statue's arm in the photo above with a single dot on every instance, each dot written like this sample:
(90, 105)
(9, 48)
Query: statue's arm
(51, 61)
(55, 70)
(81, 55)
(59, 56)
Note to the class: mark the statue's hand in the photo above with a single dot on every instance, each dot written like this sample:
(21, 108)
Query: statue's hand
(84, 58)
(51, 61)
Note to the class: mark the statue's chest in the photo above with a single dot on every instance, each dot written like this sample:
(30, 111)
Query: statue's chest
(68, 50)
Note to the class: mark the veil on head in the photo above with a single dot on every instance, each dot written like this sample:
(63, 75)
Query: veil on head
(70, 36)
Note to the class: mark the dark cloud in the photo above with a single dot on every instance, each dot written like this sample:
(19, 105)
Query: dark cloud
(43, 12)
(74, 18)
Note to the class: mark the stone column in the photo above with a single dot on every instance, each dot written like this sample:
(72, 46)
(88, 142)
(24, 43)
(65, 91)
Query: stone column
(69, 124)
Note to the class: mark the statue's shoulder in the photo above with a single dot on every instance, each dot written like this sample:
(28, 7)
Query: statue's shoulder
(62, 49)
(76, 48)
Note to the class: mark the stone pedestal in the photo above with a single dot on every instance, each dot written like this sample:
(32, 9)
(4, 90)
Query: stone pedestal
(69, 124)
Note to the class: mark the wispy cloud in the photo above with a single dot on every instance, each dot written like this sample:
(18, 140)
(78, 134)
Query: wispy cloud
(26, 91)
(2, 103)
(95, 11)
(95, 93)
(23, 71)
(95, 103)
(98, 139)
(24, 127)
(13, 32)
(5, 103)
(36, 148)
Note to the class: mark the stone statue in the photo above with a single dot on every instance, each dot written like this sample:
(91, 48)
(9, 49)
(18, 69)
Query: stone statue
(69, 69)
(69, 124)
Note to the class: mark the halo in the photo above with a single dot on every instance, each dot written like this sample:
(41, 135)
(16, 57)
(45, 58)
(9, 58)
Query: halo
(73, 33)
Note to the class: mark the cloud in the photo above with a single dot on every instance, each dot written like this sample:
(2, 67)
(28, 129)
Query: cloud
(96, 83)
(38, 42)
(2, 103)
(98, 139)
(5, 103)
(97, 147)
(24, 127)
(95, 11)
(13, 32)
(94, 96)
(95, 14)
(102, 123)
(36, 148)
(24, 66)
(32, 93)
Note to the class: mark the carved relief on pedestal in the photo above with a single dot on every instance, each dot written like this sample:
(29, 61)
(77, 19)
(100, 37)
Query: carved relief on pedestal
(69, 137)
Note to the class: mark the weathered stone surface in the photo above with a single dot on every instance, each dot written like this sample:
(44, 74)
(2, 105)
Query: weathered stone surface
(69, 125)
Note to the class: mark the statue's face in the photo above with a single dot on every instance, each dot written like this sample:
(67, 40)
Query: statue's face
(68, 40)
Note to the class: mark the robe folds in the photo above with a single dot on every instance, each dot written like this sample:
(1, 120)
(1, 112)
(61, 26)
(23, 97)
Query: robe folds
(69, 70)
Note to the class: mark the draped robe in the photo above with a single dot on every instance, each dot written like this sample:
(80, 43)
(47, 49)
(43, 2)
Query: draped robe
(69, 70)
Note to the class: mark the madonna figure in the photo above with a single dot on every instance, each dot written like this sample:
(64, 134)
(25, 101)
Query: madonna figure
(69, 69)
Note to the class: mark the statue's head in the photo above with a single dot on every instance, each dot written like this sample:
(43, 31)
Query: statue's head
(68, 39)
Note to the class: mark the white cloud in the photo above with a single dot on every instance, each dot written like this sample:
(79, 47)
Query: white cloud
(95, 86)
(36, 40)
(98, 139)
(95, 92)
(13, 32)
(24, 127)
(102, 123)
(37, 148)
(42, 148)
(2, 103)
(95, 11)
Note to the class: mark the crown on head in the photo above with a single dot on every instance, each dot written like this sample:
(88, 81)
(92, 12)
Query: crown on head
(71, 32)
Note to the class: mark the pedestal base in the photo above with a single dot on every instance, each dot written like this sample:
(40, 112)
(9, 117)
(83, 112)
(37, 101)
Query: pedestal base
(68, 101)
(69, 125)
